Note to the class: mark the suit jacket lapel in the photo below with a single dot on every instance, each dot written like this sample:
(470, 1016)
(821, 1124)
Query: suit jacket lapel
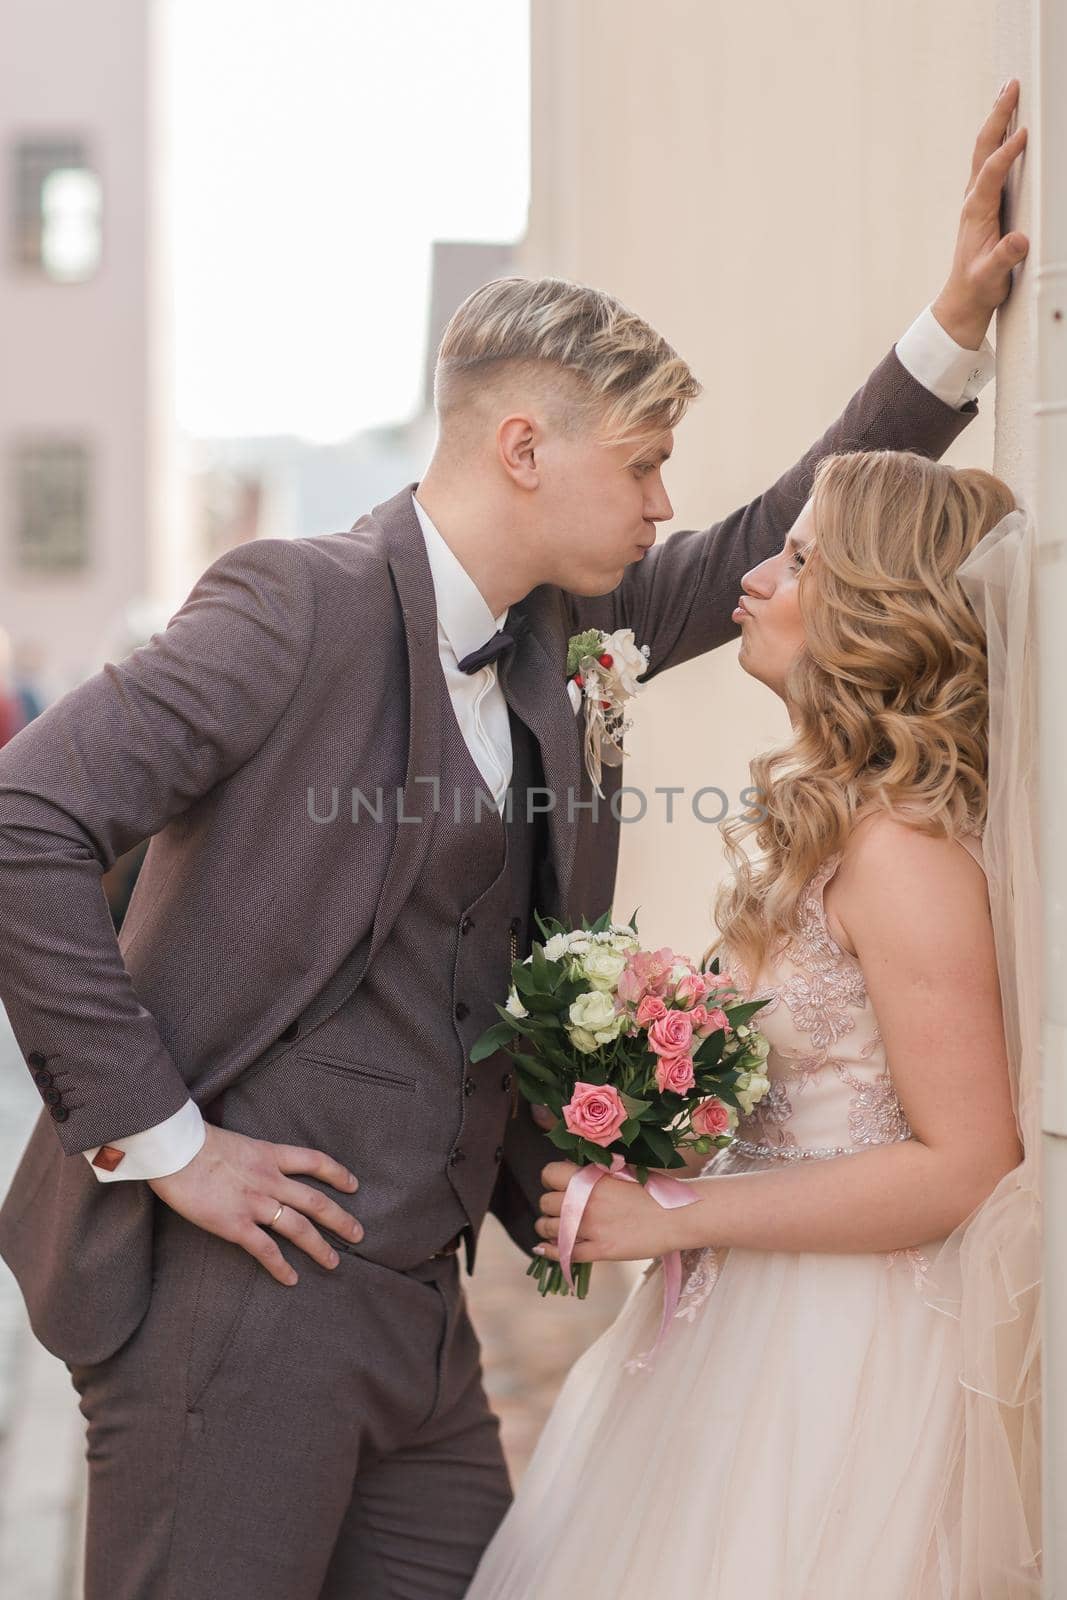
(410, 568)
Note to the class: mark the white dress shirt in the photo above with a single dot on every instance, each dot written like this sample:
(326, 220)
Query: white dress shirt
(464, 622)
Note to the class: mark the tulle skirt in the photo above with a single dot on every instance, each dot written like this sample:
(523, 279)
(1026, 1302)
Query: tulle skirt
(798, 1437)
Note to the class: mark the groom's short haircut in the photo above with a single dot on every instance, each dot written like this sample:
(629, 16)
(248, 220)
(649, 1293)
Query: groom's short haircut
(619, 375)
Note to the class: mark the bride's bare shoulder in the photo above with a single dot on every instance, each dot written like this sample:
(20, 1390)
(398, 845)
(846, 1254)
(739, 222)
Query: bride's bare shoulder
(893, 872)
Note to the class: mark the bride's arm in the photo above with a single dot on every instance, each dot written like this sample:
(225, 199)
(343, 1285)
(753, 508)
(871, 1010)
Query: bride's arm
(917, 915)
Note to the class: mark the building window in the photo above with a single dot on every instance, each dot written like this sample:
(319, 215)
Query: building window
(57, 210)
(52, 507)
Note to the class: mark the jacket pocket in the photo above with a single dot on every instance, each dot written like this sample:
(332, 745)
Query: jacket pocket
(360, 1069)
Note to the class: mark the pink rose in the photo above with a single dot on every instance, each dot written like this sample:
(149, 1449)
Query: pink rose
(650, 1009)
(595, 1112)
(647, 972)
(671, 1035)
(712, 1118)
(719, 1019)
(721, 980)
(698, 1017)
(689, 990)
(674, 1074)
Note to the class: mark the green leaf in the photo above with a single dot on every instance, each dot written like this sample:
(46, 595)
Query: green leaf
(634, 1107)
(595, 1153)
(539, 967)
(629, 1130)
(660, 1144)
(541, 1005)
(563, 1139)
(491, 1041)
(739, 1015)
(548, 926)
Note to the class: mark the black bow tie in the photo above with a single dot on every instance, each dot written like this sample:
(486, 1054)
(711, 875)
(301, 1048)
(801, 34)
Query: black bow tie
(501, 641)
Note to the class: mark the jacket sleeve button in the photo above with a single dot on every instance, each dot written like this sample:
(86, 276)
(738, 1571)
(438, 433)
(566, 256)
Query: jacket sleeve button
(51, 1097)
(36, 1059)
(42, 1077)
(60, 1113)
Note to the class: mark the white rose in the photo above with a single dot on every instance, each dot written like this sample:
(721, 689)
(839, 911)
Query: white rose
(760, 1048)
(603, 968)
(627, 660)
(582, 1039)
(750, 1088)
(515, 1005)
(593, 1014)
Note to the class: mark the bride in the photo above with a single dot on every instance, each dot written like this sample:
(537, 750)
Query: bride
(845, 1403)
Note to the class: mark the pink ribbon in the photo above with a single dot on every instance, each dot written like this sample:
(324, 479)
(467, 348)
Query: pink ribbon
(666, 1191)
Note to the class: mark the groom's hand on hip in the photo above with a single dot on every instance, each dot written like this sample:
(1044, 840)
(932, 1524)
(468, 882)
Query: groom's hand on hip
(982, 265)
(234, 1185)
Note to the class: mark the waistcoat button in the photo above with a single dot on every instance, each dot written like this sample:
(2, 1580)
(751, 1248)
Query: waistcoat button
(463, 1010)
(498, 1153)
(291, 1032)
(457, 1155)
(466, 925)
(468, 1086)
(505, 1082)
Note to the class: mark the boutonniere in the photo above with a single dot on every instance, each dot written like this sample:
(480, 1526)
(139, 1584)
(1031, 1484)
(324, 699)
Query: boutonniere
(602, 673)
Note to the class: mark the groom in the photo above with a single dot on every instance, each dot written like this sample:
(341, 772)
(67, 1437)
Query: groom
(262, 1141)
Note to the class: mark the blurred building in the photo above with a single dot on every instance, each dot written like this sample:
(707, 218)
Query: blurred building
(88, 498)
(284, 487)
(779, 193)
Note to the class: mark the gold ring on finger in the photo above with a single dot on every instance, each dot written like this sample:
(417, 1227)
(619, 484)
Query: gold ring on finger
(276, 1215)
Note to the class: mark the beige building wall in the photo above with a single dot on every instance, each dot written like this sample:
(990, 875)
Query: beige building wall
(777, 189)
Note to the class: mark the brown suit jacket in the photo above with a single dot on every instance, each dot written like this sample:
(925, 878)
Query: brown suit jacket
(292, 663)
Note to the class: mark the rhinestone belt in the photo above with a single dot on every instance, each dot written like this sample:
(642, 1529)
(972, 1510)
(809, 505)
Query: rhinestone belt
(775, 1152)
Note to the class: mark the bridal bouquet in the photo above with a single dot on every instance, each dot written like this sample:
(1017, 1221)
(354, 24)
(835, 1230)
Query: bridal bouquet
(638, 1052)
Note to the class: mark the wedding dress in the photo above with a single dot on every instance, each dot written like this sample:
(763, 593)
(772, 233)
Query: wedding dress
(798, 1435)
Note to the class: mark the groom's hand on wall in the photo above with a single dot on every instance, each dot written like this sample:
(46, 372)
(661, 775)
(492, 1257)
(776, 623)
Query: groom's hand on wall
(982, 265)
(234, 1185)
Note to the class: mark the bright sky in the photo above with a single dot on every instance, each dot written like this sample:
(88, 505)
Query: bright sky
(318, 148)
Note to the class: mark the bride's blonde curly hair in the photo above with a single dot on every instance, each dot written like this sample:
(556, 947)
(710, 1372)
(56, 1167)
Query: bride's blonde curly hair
(888, 697)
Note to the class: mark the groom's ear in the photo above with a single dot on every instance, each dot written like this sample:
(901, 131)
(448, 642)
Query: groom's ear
(518, 440)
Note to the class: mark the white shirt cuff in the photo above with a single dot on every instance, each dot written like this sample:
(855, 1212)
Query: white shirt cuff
(158, 1151)
(935, 360)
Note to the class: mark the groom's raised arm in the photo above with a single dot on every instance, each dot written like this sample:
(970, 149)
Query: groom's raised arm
(680, 598)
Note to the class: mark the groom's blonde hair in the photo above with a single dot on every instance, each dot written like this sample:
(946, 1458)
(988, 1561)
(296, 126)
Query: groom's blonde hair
(604, 366)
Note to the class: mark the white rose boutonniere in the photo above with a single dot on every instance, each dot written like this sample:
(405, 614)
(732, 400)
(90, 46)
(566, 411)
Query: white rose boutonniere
(602, 673)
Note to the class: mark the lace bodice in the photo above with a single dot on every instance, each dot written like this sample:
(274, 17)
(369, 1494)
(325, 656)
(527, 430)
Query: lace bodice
(831, 1089)
(831, 1086)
